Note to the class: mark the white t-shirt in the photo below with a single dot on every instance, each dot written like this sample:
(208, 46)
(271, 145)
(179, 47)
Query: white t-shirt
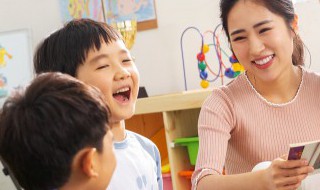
(138, 164)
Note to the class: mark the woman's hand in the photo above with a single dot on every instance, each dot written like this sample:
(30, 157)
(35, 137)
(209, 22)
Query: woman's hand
(285, 174)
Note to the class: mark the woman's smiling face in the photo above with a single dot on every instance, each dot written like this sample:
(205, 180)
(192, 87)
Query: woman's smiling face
(260, 39)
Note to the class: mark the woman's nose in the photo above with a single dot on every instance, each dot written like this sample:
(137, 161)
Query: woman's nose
(256, 46)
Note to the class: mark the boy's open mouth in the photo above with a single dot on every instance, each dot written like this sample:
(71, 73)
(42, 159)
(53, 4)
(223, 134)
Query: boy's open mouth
(123, 94)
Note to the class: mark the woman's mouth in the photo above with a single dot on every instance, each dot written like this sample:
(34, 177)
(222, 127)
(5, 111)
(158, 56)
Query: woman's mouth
(264, 63)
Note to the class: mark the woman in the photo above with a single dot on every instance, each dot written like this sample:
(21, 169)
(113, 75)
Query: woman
(273, 104)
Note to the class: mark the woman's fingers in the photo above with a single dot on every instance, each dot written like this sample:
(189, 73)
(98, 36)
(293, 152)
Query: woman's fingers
(288, 175)
(291, 187)
(284, 164)
(297, 171)
(290, 181)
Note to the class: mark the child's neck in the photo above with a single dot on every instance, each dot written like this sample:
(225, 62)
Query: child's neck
(118, 130)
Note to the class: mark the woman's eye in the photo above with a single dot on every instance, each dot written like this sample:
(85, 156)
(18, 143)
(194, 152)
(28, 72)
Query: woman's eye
(238, 39)
(102, 67)
(264, 30)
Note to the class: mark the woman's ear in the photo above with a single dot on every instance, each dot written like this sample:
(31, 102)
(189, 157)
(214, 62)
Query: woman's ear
(294, 24)
(88, 162)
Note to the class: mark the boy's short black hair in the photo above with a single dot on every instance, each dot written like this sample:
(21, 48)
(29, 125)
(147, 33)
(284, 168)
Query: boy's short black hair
(64, 50)
(43, 127)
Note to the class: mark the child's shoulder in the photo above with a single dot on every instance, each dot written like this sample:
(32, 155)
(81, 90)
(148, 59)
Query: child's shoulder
(142, 140)
(145, 143)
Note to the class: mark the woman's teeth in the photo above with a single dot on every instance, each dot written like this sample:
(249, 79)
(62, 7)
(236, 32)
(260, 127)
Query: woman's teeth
(264, 61)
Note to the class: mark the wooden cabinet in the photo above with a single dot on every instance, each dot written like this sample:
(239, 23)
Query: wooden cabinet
(169, 117)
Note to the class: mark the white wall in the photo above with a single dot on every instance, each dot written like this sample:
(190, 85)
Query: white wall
(41, 17)
(5, 181)
(309, 25)
(157, 51)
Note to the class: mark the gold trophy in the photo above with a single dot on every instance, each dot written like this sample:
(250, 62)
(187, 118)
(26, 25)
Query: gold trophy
(128, 30)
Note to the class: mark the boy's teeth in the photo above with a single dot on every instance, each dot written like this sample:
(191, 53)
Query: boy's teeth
(263, 61)
(122, 90)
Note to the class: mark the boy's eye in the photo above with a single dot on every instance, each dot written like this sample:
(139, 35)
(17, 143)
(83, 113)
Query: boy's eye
(127, 60)
(264, 30)
(102, 67)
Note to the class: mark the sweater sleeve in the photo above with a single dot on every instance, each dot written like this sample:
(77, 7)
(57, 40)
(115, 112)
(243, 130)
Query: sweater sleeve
(215, 124)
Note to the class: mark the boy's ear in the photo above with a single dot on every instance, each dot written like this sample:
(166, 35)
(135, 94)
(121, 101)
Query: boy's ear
(294, 24)
(88, 162)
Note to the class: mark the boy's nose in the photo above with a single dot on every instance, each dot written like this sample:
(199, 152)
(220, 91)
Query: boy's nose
(122, 74)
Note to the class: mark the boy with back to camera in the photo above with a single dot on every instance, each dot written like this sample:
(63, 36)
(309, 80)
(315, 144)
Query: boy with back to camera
(55, 135)
(95, 53)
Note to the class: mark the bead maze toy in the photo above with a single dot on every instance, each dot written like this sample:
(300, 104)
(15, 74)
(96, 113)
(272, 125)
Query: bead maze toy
(223, 71)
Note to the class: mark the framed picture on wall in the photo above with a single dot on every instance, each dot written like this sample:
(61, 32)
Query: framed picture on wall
(142, 10)
(76, 9)
(15, 61)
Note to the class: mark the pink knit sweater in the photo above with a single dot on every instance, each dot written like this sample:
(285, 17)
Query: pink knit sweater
(238, 128)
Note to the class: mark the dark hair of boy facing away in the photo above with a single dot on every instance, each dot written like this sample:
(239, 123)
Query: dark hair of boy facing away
(283, 8)
(42, 128)
(69, 46)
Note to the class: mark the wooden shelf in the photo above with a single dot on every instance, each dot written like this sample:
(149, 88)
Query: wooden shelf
(179, 114)
(171, 102)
